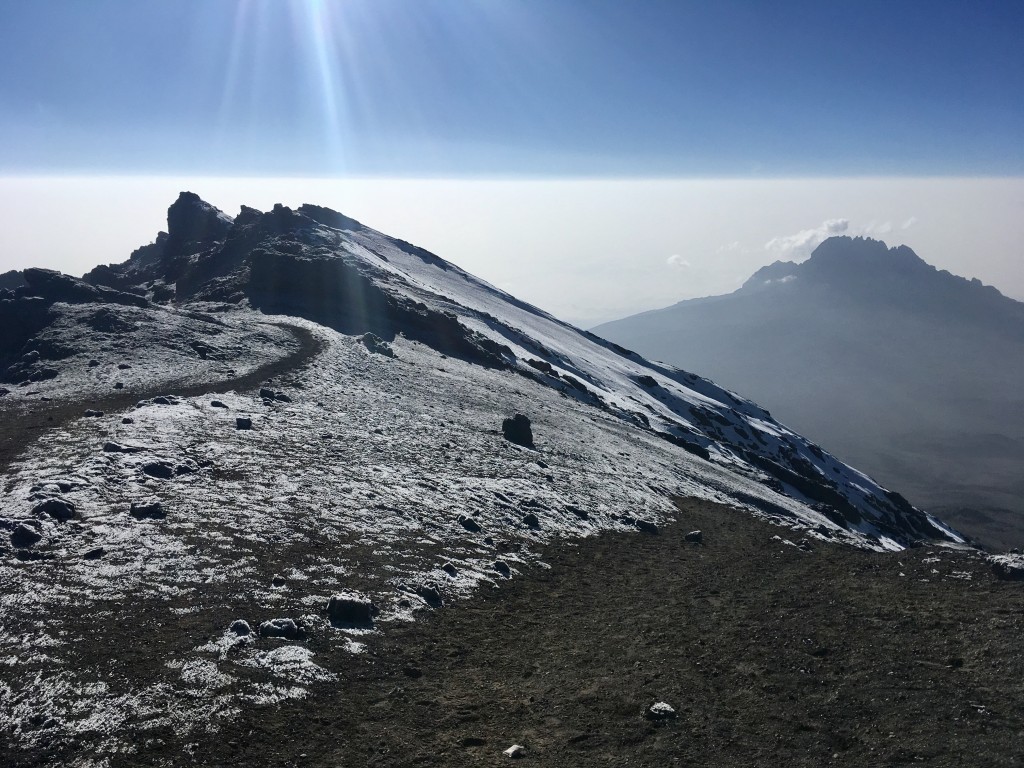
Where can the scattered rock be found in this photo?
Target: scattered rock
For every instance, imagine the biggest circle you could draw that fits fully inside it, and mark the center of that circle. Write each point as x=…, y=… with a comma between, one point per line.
x=217, y=404
x=518, y=430
x=580, y=513
x=530, y=520
x=94, y=363
x=151, y=510
x=243, y=422
x=112, y=447
x=94, y=554
x=90, y=413
x=123, y=366
x=119, y=385
x=286, y=628
x=694, y=537
x=515, y=752
x=266, y=394
x=351, y=608
x=660, y=711
x=240, y=627
x=127, y=420
x=1008, y=567
x=25, y=536
x=165, y=400
x=377, y=345
x=163, y=470
x=646, y=526
x=450, y=569
x=431, y=594
x=469, y=524
x=59, y=509
x=44, y=374
x=502, y=567
x=542, y=464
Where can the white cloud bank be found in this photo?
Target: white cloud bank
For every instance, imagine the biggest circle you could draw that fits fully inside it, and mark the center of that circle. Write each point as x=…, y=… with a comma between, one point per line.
x=800, y=245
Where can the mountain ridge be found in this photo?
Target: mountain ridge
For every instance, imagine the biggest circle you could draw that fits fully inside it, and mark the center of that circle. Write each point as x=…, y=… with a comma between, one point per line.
x=872, y=351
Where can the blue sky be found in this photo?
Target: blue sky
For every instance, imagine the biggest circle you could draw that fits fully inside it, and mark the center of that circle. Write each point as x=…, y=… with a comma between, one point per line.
x=517, y=88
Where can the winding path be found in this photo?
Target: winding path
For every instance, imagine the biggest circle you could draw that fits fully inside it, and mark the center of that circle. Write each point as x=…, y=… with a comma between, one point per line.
x=21, y=425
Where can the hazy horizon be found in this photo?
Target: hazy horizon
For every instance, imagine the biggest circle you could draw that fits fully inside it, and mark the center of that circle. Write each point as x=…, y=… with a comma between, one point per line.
x=586, y=250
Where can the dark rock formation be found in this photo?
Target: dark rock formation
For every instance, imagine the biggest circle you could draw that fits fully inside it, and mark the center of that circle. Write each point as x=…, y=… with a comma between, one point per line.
x=518, y=430
x=147, y=510
x=351, y=608
x=284, y=628
x=25, y=536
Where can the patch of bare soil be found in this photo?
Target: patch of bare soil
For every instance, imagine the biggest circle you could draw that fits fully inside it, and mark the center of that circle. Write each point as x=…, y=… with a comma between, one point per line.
x=769, y=654
x=20, y=425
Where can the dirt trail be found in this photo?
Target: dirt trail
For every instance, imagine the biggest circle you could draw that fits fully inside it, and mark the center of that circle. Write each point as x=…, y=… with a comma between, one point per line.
x=20, y=425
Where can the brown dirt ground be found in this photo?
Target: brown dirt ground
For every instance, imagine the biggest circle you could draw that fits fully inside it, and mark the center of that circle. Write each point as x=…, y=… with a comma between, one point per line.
x=771, y=656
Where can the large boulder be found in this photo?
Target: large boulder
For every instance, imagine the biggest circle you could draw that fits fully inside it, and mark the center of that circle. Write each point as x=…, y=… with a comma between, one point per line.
x=351, y=608
x=518, y=430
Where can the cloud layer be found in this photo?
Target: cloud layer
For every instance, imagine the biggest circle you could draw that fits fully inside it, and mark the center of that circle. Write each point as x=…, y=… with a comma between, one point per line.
x=800, y=245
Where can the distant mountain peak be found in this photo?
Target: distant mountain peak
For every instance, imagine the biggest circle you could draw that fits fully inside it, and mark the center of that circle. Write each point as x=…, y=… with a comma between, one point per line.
x=863, y=255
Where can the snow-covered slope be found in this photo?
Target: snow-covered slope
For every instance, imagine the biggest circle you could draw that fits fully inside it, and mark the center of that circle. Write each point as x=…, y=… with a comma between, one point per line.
x=377, y=468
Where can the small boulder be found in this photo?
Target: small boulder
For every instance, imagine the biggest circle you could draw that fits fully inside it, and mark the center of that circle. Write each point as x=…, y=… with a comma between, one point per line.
x=502, y=567
x=59, y=509
x=240, y=627
x=286, y=628
x=351, y=608
x=646, y=526
x=530, y=520
x=112, y=447
x=93, y=414
x=217, y=404
x=515, y=752
x=266, y=394
x=660, y=711
x=127, y=420
x=25, y=536
x=243, y=422
x=518, y=430
x=377, y=345
x=1008, y=567
x=469, y=524
x=431, y=594
x=694, y=537
x=278, y=581
x=163, y=470
x=94, y=554
x=147, y=510
x=450, y=569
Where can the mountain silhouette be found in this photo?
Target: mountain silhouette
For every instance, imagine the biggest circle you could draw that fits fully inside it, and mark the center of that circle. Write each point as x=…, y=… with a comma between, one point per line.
x=908, y=372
